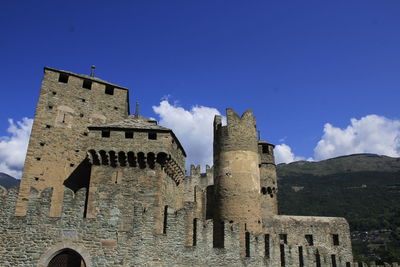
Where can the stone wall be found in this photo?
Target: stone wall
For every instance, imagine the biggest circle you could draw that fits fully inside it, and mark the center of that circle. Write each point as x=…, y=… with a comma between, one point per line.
x=122, y=233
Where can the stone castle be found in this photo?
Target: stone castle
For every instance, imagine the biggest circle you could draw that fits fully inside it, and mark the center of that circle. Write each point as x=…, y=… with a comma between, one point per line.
x=102, y=187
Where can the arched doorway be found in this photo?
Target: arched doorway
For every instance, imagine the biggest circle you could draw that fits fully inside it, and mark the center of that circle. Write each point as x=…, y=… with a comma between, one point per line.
x=67, y=258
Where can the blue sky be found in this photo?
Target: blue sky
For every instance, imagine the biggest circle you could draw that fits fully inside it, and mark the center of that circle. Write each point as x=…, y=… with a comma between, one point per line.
x=297, y=64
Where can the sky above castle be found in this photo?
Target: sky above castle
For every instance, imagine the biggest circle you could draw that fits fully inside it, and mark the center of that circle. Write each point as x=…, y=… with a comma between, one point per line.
x=322, y=77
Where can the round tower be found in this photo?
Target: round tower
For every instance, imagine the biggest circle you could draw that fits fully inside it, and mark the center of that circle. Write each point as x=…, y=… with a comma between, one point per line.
x=236, y=171
x=268, y=179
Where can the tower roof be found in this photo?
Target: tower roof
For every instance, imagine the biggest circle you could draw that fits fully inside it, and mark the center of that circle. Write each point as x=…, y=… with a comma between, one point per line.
x=133, y=123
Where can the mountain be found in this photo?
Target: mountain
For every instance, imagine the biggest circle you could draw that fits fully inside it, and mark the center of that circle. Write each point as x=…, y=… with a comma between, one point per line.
x=363, y=188
x=8, y=181
x=344, y=164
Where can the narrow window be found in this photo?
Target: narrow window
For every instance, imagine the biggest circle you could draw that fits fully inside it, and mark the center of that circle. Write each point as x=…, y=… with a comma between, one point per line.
x=165, y=220
x=283, y=238
x=333, y=258
x=87, y=84
x=105, y=133
x=265, y=149
x=310, y=240
x=129, y=135
x=194, y=232
x=266, y=246
x=282, y=249
x=48, y=126
x=63, y=78
x=335, y=239
x=247, y=243
x=109, y=90
x=301, y=259
x=153, y=136
x=318, y=259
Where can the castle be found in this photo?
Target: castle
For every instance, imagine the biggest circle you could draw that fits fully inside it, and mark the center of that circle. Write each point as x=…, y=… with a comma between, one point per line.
x=102, y=187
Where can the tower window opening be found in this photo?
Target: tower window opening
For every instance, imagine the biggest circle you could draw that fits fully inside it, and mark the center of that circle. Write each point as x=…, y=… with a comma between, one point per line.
x=38, y=159
x=283, y=238
x=42, y=143
x=282, y=250
x=247, y=243
x=165, y=222
x=263, y=190
x=109, y=90
x=194, y=232
x=152, y=136
x=310, y=240
x=335, y=239
x=266, y=246
x=348, y=264
x=301, y=259
x=318, y=259
x=333, y=258
x=48, y=126
x=265, y=149
x=87, y=84
x=129, y=135
x=63, y=78
x=105, y=134
x=81, y=115
x=50, y=107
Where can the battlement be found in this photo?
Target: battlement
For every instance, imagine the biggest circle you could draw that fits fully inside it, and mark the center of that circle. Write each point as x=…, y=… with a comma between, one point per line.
x=124, y=223
x=238, y=134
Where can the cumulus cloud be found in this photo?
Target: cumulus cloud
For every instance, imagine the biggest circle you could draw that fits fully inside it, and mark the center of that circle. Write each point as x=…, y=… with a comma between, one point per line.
x=370, y=134
x=283, y=154
x=13, y=147
x=194, y=129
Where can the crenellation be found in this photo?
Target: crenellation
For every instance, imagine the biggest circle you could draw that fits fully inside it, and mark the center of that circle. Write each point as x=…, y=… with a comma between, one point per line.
x=111, y=189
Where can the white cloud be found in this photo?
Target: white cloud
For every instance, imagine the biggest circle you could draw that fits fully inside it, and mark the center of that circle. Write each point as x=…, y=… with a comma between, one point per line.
x=13, y=147
x=370, y=134
x=283, y=154
x=194, y=129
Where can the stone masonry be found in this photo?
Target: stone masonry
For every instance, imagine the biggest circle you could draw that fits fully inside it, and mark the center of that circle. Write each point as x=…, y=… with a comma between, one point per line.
x=102, y=187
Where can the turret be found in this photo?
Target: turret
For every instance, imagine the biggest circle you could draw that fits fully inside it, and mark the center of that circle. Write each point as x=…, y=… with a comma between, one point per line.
x=236, y=171
x=268, y=179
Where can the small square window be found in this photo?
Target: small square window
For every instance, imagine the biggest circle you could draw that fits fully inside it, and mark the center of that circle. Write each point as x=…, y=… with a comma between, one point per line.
x=335, y=239
x=129, y=135
x=63, y=78
x=87, y=84
x=105, y=134
x=109, y=90
x=265, y=149
x=153, y=136
x=310, y=240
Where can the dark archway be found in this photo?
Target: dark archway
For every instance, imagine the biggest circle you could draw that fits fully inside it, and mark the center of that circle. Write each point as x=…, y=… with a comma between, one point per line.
x=67, y=258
